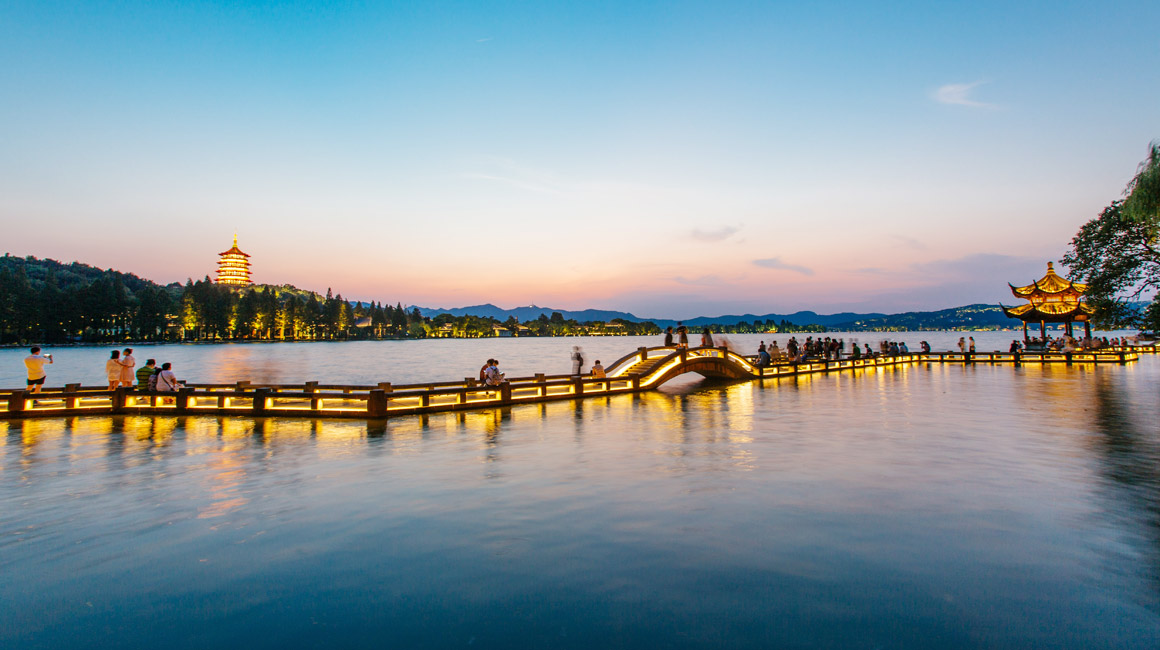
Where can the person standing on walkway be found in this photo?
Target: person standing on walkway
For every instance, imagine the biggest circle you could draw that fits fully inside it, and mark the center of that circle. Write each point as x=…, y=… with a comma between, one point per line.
x=972, y=346
x=577, y=361
x=34, y=362
x=706, y=338
x=962, y=345
x=144, y=373
x=682, y=335
x=127, y=365
x=113, y=369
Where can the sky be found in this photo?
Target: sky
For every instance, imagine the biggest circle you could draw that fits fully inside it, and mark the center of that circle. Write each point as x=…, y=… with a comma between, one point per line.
x=672, y=159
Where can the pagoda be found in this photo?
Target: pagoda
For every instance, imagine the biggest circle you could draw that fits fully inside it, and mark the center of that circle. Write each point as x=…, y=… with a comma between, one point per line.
x=1051, y=299
x=234, y=267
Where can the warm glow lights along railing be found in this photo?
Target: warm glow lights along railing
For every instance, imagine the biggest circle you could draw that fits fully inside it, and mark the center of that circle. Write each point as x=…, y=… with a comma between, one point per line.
x=644, y=369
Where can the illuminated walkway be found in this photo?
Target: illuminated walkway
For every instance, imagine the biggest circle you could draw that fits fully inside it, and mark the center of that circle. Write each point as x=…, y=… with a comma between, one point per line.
x=645, y=369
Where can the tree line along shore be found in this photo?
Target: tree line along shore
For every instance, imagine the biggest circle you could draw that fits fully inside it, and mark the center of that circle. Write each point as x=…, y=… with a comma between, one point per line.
x=46, y=301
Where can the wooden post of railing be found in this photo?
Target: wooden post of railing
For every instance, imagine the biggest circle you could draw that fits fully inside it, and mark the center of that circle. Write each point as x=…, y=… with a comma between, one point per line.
x=1123, y=358
x=684, y=354
x=505, y=392
x=385, y=386
x=643, y=352
x=578, y=385
x=181, y=401
x=1067, y=358
x=244, y=384
x=16, y=402
x=118, y=399
x=261, y=400
x=72, y=402
x=1018, y=358
x=635, y=380
x=377, y=403
x=312, y=387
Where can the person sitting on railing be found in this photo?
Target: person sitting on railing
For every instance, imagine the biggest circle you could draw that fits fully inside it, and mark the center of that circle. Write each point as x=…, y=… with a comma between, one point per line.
x=763, y=358
x=682, y=335
x=669, y=336
x=775, y=353
x=902, y=349
x=483, y=370
x=144, y=373
x=166, y=380
x=857, y=352
x=598, y=370
x=925, y=347
x=706, y=338
x=494, y=376
x=1014, y=349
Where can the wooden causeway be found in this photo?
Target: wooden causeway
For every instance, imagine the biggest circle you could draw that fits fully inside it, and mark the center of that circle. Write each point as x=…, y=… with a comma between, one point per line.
x=643, y=370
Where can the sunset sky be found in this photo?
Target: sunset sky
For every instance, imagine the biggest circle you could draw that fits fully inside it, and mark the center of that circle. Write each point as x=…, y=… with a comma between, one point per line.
x=672, y=159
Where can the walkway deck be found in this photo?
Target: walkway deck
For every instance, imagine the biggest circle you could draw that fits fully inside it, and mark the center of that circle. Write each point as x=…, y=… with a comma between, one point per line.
x=643, y=370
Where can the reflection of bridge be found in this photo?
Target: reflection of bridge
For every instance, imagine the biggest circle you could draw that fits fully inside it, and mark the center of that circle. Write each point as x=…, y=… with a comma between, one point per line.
x=645, y=369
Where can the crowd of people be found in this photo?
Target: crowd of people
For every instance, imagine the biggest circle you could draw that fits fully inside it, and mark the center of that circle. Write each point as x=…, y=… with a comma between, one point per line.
x=1067, y=343
x=119, y=371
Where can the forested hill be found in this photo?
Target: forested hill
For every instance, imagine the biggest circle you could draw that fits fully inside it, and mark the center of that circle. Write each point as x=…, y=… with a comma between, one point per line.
x=70, y=276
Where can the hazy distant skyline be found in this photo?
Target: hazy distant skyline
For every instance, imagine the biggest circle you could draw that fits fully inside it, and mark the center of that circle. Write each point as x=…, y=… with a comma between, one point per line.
x=668, y=159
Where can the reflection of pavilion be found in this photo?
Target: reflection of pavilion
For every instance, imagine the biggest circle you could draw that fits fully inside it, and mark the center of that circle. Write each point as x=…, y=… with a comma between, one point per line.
x=1052, y=299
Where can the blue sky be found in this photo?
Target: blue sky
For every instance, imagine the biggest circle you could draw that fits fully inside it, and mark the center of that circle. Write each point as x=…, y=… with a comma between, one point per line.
x=669, y=159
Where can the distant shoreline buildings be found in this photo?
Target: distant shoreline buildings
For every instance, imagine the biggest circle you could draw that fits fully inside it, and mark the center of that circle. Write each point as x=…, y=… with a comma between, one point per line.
x=234, y=267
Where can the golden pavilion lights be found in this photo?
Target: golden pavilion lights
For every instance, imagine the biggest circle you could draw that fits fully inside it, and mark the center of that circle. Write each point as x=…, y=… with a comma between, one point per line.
x=1051, y=299
x=234, y=266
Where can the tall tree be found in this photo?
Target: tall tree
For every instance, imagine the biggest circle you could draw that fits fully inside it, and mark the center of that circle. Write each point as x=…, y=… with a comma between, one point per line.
x=1117, y=254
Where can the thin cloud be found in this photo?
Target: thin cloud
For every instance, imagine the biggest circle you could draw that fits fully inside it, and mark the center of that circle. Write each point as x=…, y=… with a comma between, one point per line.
x=483, y=40
x=720, y=234
x=776, y=263
x=960, y=95
x=702, y=281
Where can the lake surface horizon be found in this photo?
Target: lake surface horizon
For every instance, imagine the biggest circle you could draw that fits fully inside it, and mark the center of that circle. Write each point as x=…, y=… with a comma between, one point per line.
x=910, y=507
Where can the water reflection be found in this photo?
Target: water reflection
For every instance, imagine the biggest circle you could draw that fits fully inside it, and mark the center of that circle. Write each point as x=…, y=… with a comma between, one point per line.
x=1131, y=461
x=815, y=510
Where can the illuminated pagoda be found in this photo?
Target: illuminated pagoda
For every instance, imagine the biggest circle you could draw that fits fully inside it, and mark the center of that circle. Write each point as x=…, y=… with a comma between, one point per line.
x=234, y=267
x=1051, y=299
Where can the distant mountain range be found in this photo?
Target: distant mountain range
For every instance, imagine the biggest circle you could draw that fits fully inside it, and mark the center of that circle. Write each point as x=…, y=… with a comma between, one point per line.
x=955, y=317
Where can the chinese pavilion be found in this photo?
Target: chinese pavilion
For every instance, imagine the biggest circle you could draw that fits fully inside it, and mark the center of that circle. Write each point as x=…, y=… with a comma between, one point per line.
x=234, y=266
x=1051, y=299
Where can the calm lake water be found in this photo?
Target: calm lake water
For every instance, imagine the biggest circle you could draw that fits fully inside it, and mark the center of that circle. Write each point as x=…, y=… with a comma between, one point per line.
x=916, y=507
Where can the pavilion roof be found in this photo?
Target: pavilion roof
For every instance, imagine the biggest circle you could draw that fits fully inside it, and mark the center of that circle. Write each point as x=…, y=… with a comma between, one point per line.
x=1051, y=312
x=1049, y=284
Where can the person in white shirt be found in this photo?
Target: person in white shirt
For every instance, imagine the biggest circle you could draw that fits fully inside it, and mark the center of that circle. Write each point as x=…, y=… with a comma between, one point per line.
x=127, y=365
x=166, y=381
x=113, y=369
x=35, y=365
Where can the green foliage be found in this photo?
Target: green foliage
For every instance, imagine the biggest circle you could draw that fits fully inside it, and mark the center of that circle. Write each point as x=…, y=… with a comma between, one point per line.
x=1143, y=202
x=1117, y=253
